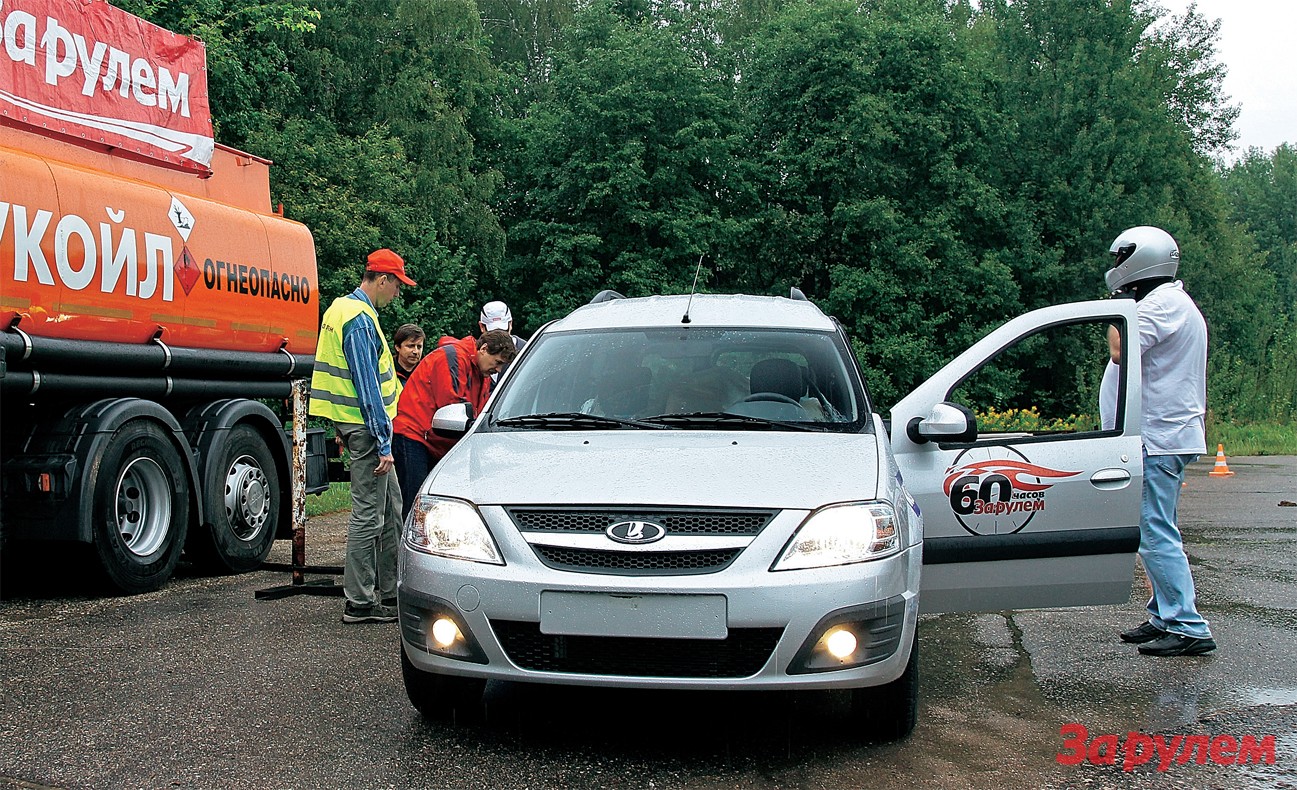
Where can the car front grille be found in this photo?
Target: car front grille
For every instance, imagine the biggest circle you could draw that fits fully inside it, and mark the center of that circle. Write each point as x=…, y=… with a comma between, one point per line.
x=742, y=654
x=676, y=521
x=636, y=563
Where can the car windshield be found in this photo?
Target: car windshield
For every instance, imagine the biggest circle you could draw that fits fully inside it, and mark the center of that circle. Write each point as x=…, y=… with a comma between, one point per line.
x=682, y=378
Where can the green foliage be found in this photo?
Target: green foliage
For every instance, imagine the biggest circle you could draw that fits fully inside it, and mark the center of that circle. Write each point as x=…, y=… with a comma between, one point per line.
x=1262, y=191
x=870, y=178
x=1030, y=420
x=615, y=181
x=1254, y=366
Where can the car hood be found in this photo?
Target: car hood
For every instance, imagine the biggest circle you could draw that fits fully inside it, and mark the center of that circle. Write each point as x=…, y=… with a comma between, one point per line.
x=671, y=467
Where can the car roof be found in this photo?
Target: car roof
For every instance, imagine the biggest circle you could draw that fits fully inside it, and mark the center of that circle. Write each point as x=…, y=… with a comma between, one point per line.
x=707, y=310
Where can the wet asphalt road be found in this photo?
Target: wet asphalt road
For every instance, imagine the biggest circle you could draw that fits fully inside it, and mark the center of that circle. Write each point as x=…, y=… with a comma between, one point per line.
x=201, y=686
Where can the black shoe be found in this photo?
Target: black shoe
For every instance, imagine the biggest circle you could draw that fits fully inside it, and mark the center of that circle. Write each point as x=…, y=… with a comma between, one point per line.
x=1146, y=632
x=1178, y=645
x=374, y=613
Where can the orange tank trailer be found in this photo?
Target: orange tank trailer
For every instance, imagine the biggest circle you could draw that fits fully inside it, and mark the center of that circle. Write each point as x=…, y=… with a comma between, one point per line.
x=99, y=247
x=151, y=325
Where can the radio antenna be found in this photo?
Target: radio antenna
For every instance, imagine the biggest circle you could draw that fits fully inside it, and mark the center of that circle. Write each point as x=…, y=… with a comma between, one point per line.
x=692, y=289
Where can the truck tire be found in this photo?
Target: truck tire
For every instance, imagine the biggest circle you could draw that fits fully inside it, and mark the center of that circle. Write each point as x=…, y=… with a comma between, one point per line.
x=244, y=508
x=140, y=509
x=440, y=697
x=889, y=712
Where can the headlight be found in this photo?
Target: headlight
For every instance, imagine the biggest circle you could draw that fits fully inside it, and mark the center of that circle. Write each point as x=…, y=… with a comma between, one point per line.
x=841, y=535
x=450, y=528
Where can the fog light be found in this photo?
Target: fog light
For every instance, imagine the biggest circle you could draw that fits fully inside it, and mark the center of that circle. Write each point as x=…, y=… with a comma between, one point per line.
x=444, y=632
x=840, y=643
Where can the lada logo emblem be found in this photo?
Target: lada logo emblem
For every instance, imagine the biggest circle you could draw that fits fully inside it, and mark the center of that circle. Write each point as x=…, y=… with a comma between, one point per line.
x=636, y=532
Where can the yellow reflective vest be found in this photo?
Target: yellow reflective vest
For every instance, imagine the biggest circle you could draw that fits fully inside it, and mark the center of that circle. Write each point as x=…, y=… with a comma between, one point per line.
x=333, y=393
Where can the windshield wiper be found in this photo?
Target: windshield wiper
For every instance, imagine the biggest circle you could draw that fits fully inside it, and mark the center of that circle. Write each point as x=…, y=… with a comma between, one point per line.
x=724, y=419
x=573, y=419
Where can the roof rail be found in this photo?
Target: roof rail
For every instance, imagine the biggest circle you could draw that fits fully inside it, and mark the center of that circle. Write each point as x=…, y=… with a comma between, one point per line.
x=606, y=296
x=796, y=293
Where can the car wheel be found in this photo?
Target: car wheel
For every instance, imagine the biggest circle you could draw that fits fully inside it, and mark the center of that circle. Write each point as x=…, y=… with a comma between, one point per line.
x=141, y=508
x=889, y=712
x=244, y=506
x=440, y=697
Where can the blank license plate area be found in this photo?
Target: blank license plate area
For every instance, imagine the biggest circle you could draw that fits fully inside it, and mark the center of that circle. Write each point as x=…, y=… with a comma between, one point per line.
x=662, y=616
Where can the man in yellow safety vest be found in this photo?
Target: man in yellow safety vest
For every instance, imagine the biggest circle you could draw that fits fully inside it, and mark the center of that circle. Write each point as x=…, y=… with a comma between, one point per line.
x=354, y=384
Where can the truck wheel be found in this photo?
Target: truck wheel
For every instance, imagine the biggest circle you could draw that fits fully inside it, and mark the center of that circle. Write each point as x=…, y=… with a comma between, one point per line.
x=141, y=508
x=889, y=712
x=244, y=509
x=439, y=697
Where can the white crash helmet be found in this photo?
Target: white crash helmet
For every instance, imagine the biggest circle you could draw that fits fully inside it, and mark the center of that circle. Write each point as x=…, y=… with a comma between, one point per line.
x=1140, y=254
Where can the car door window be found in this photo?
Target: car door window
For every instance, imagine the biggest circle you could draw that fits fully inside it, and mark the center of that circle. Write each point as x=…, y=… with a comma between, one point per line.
x=1047, y=385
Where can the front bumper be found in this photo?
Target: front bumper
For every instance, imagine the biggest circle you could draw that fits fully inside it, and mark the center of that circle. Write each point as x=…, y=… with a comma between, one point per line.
x=769, y=623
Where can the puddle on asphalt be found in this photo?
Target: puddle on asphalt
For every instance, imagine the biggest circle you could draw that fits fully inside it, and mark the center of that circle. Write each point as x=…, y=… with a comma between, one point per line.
x=1273, y=696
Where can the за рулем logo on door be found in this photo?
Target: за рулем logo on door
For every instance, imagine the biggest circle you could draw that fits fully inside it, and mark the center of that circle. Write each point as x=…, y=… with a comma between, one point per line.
x=998, y=496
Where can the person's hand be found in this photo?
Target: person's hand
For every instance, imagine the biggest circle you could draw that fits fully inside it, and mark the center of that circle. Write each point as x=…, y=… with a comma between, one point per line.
x=385, y=464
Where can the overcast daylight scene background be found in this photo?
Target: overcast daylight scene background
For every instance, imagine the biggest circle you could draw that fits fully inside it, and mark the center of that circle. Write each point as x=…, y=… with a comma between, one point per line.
x=1256, y=46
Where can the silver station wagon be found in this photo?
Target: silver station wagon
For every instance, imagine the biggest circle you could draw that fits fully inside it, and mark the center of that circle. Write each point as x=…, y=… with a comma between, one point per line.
x=698, y=493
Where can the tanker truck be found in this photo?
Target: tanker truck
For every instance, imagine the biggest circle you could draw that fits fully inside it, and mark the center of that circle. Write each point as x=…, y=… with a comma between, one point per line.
x=154, y=310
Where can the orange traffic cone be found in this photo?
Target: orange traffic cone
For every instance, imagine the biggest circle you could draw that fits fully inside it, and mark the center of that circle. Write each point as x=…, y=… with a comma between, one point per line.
x=1221, y=469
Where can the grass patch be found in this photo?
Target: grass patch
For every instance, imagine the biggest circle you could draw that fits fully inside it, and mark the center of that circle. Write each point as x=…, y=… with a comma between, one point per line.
x=1252, y=438
x=338, y=497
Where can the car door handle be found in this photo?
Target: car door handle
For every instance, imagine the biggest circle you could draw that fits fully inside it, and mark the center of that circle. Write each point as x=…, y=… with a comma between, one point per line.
x=1109, y=479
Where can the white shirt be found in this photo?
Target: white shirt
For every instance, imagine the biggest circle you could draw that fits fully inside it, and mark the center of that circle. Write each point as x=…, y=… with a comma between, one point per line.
x=1173, y=362
x=1108, y=396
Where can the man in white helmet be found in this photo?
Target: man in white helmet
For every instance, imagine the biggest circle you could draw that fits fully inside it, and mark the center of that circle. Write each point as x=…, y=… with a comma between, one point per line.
x=496, y=315
x=1173, y=368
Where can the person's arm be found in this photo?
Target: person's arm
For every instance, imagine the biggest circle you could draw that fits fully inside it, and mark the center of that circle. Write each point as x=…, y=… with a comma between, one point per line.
x=1114, y=344
x=446, y=380
x=361, y=346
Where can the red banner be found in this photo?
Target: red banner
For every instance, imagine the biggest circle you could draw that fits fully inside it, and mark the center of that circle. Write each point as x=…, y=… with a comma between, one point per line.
x=87, y=70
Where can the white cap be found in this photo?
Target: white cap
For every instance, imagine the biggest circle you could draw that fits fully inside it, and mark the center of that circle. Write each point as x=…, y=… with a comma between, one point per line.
x=495, y=315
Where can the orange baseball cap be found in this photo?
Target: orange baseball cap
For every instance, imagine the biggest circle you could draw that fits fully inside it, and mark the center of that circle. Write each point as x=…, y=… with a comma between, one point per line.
x=385, y=261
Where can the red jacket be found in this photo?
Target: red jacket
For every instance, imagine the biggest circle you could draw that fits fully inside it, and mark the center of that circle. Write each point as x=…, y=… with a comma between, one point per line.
x=448, y=374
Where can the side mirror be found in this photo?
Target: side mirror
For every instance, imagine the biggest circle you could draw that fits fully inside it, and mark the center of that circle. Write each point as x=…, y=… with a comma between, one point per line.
x=452, y=421
x=947, y=422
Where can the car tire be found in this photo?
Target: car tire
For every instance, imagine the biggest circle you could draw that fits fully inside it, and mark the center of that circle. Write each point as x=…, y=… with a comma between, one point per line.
x=141, y=508
x=889, y=712
x=244, y=506
x=440, y=697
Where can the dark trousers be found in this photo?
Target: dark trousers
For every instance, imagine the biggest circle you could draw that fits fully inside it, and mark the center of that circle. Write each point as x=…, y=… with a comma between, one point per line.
x=413, y=463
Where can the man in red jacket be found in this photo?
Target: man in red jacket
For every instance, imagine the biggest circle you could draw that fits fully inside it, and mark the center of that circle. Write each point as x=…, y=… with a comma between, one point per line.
x=457, y=371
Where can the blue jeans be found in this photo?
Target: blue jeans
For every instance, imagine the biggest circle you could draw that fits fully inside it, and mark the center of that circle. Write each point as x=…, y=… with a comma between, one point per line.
x=1173, y=606
x=413, y=463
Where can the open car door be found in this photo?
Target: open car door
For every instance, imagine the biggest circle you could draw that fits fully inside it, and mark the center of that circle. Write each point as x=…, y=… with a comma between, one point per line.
x=1039, y=507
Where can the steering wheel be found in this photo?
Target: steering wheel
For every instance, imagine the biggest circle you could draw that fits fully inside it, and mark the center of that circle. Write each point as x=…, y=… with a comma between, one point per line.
x=770, y=397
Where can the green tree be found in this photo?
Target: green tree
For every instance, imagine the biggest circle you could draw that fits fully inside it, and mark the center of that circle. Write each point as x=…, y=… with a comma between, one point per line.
x=868, y=124
x=619, y=181
x=1114, y=118
x=421, y=69
x=1262, y=384
x=1262, y=190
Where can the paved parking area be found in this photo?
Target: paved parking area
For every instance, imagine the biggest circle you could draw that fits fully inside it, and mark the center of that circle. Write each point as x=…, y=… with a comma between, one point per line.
x=200, y=685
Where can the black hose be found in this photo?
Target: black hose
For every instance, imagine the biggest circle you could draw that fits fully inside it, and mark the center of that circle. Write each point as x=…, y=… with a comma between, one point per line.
x=25, y=383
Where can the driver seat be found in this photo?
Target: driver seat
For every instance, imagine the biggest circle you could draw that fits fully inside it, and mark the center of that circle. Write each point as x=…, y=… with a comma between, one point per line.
x=780, y=376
